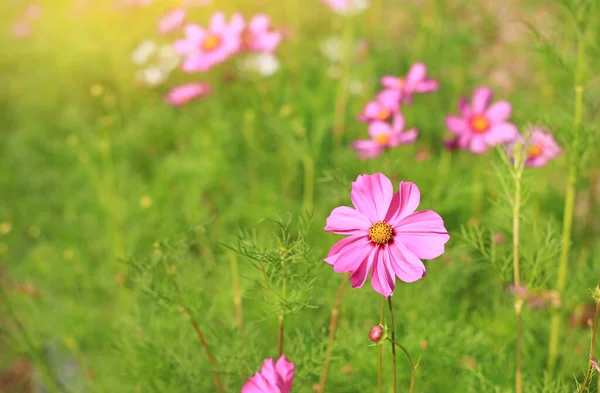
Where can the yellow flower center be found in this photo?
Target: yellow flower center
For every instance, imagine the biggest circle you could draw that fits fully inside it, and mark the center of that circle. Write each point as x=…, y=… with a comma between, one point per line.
x=381, y=233
x=382, y=139
x=401, y=83
x=248, y=38
x=480, y=123
x=383, y=114
x=211, y=42
x=534, y=151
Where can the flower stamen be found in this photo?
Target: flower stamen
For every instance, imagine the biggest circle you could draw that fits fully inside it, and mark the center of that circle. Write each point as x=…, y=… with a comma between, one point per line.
x=382, y=139
x=480, y=123
x=534, y=151
x=381, y=233
x=384, y=114
x=211, y=42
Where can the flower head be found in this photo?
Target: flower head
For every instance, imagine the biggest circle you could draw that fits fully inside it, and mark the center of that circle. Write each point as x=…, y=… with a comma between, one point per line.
x=205, y=48
x=386, y=237
x=172, y=20
x=183, y=94
x=383, y=136
x=156, y=62
x=264, y=64
x=415, y=81
x=347, y=7
x=378, y=334
x=539, y=147
x=482, y=125
x=258, y=36
x=382, y=108
x=272, y=378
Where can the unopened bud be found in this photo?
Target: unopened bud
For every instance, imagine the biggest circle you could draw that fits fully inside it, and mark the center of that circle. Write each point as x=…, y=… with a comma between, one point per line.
x=378, y=334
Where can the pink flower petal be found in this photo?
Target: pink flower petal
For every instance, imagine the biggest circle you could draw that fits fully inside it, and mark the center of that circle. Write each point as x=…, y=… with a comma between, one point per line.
x=398, y=122
x=426, y=86
x=383, y=278
x=260, y=23
x=371, y=195
x=337, y=247
x=423, y=233
x=172, y=20
x=456, y=125
x=463, y=107
x=366, y=148
x=377, y=128
x=359, y=275
x=477, y=144
x=405, y=264
x=344, y=220
x=404, y=203
x=416, y=74
x=390, y=82
x=351, y=255
x=481, y=99
x=501, y=133
x=218, y=22
x=403, y=137
x=499, y=112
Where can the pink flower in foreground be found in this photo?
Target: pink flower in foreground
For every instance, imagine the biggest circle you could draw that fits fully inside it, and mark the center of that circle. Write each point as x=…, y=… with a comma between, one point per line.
x=415, y=81
x=183, y=94
x=540, y=148
x=172, y=20
x=258, y=36
x=204, y=48
x=21, y=29
x=482, y=125
x=272, y=378
x=382, y=108
x=385, y=234
x=384, y=136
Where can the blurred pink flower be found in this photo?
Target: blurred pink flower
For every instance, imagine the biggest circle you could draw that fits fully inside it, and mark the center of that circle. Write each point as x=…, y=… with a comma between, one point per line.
x=539, y=148
x=347, y=7
x=482, y=125
x=258, y=36
x=272, y=378
x=172, y=20
x=415, y=81
x=21, y=29
x=384, y=136
x=382, y=108
x=204, y=48
x=385, y=234
x=181, y=95
x=33, y=11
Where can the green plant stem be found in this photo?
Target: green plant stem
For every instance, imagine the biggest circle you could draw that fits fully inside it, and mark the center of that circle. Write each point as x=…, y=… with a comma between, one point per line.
x=309, y=183
x=569, y=206
x=237, y=294
x=393, y=331
x=380, y=360
x=516, y=271
x=281, y=317
x=248, y=131
x=335, y=312
x=592, y=350
x=413, y=369
x=342, y=92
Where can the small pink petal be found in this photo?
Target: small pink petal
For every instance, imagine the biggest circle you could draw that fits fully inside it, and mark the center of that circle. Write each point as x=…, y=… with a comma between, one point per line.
x=172, y=20
x=416, y=74
x=371, y=195
x=477, y=145
x=423, y=233
x=366, y=148
x=481, y=99
x=359, y=276
x=456, y=125
x=344, y=220
x=405, y=264
x=501, y=133
x=377, y=128
x=463, y=107
x=183, y=94
x=499, y=112
x=383, y=278
x=404, y=203
x=426, y=86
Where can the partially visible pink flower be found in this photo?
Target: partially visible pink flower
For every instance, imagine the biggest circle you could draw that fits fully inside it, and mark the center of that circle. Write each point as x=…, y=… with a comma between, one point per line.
x=21, y=29
x=34, y=11
x=272, y=378
x=540, y=148
x=384, y=136
x=258, y=36
x=183, y=94
x=482, y=125
x=385, y=235
x=422, y=155
x=204, y=48
x=347, y=7
x=415, y=81
x=382, y=108
x=172, y=20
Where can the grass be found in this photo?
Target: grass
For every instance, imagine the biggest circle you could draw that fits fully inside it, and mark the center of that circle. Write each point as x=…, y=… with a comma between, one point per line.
x=109, y=196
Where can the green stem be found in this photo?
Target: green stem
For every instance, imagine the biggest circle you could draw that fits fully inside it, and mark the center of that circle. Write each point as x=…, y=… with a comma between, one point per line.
x=309, y=183
x=393, y=331
x=342, y=92
x=248, y=131
x=516, y=270
x=380, y=361
x=592, y=349
x=281, y=315
x=413, y=369
x=569, y=205
x=237, y=294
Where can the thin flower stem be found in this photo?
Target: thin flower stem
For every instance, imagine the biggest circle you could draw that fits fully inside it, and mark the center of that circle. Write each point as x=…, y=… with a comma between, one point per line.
x=592, y=350
x=309, y=183
x=413, y=369
x=569, y=205
x=248, y=132
x=335, y=312
x=516, y=270
x=393, y=331
x=237, y=294
x=281, y=313
x=200, y=335
x=380, y=361
x=342, y=92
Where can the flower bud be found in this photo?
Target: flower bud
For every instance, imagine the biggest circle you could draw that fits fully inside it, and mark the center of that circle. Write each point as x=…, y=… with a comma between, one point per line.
x=378, y=334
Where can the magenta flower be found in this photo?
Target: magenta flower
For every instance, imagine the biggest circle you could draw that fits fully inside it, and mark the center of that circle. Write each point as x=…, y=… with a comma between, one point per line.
x=385, y=234
x=272, y=378
x=382, y=108
x=172, y=20
x=204, y=48
x=183, y=94
x=540, y=148
x=482, y=125
x=415, y=81
x=258, y=36
x=384, y=136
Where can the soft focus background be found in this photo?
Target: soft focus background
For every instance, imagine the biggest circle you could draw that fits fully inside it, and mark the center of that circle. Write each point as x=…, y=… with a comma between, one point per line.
x=108, y=195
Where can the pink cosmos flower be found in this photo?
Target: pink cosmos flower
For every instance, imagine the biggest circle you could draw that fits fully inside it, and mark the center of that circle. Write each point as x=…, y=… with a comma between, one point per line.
x=183, y=94
x=258, y=36
x=385, y=234
x=415, y=81
x=172, y=20
x=540, y=148
x=384, y=136
x=34, y=11
x=382, y=108
x=21, y=29
x=204, y=48
x=482, y=125
x=272, y=378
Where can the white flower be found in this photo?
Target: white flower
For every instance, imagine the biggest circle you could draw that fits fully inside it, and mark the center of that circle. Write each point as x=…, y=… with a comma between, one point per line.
x=355, y=87
x=264, y=64
x=142, y=53
x=332, y=49
x=156, y=62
